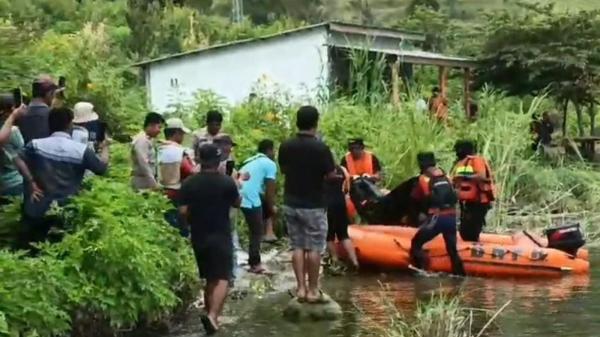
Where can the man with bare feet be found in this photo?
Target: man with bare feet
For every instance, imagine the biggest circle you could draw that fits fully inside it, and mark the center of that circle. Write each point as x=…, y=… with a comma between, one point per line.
x=306, y=163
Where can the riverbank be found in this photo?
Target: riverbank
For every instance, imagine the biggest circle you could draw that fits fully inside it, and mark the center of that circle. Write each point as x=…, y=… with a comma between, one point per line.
x=376, y=304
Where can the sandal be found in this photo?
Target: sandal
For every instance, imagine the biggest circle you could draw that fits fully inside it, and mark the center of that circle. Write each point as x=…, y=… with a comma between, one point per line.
x=319, y=300
x=270, y=240
x=259, y=271
x=294, y=294
x=208, y=325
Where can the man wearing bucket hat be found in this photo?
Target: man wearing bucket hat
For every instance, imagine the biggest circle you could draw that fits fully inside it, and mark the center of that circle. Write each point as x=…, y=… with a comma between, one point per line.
x=174, y=166
x=173, y=162
x=88, y=122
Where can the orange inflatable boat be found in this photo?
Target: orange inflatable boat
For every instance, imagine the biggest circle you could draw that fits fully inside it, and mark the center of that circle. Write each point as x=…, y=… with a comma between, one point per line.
x=494, y=256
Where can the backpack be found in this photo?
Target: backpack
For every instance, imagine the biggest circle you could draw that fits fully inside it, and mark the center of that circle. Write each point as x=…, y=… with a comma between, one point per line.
x=442, y=193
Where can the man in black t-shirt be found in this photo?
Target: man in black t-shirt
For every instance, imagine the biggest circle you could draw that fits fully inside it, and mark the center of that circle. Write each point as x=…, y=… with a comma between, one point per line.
x=306, y=162
x=206, y=199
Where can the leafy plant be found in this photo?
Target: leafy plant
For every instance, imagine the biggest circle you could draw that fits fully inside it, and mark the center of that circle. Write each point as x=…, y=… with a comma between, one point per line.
x=119, y=266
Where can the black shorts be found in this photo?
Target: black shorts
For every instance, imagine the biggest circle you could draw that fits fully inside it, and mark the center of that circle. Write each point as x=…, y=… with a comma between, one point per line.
x=214, y=256
x=338, y=221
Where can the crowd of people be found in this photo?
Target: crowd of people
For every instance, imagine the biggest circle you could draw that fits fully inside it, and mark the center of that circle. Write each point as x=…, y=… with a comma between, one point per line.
x=48, y=149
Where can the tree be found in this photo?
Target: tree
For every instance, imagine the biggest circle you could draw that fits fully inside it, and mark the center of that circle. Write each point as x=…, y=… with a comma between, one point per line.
x=430, y=4
x=539, y=49
x=364, y=12
x=143, y=18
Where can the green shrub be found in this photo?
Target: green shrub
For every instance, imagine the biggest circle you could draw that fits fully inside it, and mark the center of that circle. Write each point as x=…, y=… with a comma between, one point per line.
x=119, y=266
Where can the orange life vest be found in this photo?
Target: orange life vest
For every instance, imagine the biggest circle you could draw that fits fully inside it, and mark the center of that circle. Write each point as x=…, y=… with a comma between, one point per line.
x=362, y=166
x=466, y=176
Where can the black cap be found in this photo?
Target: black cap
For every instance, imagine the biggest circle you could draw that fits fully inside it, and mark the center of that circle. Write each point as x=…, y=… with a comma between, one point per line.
x=210, y=153
x=356, y=141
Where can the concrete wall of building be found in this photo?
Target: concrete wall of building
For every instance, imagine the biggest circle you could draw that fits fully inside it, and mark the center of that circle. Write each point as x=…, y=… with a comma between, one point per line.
x=296, y=63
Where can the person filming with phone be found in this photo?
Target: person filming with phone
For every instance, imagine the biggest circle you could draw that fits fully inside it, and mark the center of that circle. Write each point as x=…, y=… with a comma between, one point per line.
x=13, y=171
x=34, y=122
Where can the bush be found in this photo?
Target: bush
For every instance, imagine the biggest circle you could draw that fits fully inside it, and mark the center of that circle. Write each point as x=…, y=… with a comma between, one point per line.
x=119, y=266
x=397, y=133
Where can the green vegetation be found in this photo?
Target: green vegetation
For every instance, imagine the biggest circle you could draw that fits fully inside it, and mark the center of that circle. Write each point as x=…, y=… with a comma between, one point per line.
x=440, y=316
x=120, y=266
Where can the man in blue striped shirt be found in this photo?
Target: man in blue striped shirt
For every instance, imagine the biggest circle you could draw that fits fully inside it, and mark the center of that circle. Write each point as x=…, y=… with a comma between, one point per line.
x=58, y=164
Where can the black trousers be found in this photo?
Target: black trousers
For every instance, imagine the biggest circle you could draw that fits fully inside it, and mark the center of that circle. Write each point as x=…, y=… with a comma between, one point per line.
x=254, y=219
x=472, y=220
x=435, y=225
x=35, y=230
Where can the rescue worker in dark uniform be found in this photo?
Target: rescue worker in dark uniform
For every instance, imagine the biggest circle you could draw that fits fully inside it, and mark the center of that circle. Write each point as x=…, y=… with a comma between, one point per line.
x=474, y=184
x=434, y=191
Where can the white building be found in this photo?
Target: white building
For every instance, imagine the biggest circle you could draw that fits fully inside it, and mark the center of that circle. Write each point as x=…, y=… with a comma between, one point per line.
x=303, y=62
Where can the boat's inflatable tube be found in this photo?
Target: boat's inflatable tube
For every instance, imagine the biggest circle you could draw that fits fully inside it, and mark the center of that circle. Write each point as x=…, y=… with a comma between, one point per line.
x=495, y=255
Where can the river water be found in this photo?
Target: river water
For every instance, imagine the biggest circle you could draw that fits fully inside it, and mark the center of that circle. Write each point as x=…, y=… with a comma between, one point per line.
x=559, y=307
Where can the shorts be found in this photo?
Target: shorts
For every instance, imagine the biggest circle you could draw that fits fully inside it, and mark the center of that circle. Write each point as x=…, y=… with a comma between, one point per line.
x=214, y=256
x=307, y=227
x=338, y=221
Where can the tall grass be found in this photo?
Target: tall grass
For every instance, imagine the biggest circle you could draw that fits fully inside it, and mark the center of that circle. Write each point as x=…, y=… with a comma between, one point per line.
x=537, y=192
x=441, y=316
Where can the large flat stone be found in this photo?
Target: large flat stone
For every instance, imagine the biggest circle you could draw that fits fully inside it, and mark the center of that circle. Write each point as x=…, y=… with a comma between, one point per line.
x=298, y=311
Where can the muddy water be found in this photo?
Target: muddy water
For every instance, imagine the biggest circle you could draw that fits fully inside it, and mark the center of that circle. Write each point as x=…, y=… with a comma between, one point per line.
x=562, y=307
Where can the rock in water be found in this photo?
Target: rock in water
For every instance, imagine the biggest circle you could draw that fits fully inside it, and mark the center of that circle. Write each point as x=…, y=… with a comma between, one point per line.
x=297, y=311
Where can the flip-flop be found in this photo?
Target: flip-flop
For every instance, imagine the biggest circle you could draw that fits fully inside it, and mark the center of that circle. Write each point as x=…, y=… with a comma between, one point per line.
x=319, y=300
x=295, y=295
x=270, y=241
x=260, y=271
x=209, y=326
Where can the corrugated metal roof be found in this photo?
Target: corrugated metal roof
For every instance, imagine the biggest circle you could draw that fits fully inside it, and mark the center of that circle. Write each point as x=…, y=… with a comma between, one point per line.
x=424, y=57
x=331, y=25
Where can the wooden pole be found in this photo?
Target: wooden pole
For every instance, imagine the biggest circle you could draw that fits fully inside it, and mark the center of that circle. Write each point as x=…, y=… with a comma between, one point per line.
x=467, y=94
x=443, y=81
x=395, y=82
x=564, y=122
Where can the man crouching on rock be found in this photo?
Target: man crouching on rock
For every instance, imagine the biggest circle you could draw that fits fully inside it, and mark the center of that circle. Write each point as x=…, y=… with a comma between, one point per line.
x=206, y=199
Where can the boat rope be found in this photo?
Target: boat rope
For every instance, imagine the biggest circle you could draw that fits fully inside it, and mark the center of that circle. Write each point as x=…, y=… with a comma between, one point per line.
x=399, y=244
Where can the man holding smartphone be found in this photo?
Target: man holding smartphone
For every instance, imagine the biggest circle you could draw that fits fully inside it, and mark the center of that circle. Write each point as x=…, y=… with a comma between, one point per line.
x=34, y=123
x=88, y=119
x=13, y=171
x=227, y=166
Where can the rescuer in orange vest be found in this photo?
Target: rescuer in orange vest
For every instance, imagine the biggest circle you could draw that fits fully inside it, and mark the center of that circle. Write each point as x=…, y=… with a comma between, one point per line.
x=434, y=191
x=360, y=162
x=474, y=183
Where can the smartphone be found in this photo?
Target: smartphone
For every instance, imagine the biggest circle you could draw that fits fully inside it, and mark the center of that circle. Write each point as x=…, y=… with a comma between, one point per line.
x=101, y=136
x=62, y=82
x=229, y=165
x=18, y=97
